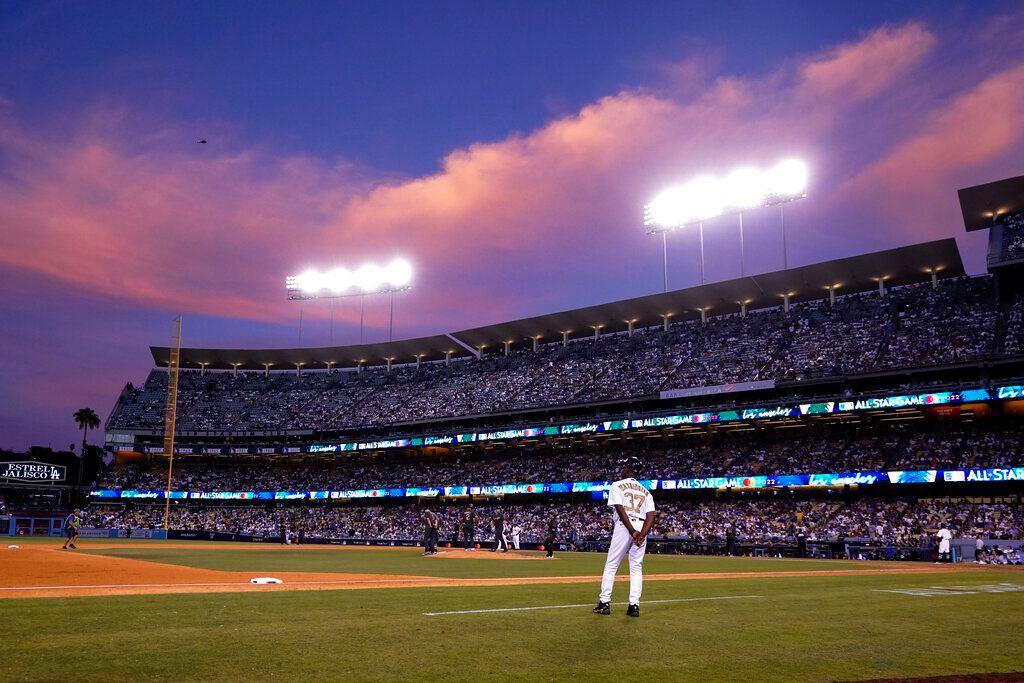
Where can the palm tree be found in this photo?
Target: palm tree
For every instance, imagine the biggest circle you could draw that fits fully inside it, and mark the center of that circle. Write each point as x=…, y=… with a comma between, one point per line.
x=87, y=419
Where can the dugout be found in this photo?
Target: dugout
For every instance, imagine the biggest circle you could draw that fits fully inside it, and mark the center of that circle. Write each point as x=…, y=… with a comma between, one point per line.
x=32, y=524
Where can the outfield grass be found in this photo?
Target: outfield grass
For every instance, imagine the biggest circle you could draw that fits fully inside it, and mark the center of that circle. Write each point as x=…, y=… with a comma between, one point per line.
x=806, y=628
x=410, y=561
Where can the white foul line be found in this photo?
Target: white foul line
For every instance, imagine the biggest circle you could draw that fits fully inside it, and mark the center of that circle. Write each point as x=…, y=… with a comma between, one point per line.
x=588, y=604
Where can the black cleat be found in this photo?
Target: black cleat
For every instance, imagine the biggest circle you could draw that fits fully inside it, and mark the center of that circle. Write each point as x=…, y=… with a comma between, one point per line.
x=603, y=608
x=633, y=611
x=73, y=546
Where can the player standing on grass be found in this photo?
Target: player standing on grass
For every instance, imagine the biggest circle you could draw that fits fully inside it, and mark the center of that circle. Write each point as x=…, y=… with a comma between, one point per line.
x=634, y=516
x=72, y=523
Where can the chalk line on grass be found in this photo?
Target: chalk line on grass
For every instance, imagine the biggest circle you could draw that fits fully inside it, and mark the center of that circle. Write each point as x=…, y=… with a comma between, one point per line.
x=969, y=589
x=588, y=604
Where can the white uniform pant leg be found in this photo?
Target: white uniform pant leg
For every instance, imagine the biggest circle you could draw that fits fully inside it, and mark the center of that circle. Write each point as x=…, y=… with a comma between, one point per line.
x=621, y=542
x=636, y=571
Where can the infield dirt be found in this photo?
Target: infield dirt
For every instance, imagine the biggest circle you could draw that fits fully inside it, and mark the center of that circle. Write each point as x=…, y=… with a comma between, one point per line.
x=36, y=571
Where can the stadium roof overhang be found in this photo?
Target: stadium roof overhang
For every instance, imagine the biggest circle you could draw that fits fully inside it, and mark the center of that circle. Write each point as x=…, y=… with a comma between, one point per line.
x=982, y=204
x=904, y=265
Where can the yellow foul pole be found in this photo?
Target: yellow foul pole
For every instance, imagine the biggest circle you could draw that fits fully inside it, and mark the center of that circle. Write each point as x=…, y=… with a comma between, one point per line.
x=171, y=412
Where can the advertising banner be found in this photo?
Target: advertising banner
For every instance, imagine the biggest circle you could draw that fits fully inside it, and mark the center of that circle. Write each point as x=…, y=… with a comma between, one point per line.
x=23, y=471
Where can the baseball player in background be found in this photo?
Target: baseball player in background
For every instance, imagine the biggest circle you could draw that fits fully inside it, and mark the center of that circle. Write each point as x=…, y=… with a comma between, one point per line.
x=456, y=523
x=944, y=537
x=498, y=524
x=433, y=524
x=469, y=530
x=517, y=530
x=633, y=515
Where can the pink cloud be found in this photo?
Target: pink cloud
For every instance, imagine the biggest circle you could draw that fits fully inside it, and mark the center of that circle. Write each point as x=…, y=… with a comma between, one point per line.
x=863, y=69
x=914, y=183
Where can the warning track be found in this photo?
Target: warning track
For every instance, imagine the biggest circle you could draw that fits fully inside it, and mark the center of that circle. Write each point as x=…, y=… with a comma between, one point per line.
x=40, y=572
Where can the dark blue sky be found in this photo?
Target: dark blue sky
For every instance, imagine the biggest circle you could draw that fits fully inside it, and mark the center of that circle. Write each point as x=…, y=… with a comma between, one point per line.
x=396, y=85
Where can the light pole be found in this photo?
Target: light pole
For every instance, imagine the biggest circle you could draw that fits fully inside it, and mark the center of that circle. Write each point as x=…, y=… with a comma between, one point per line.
x=362, y=314
x=743, y=252
x=664, y=253
x=782, y=220
x=701, y=230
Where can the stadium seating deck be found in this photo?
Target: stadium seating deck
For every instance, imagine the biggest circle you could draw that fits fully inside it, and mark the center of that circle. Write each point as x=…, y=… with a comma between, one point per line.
x=912, y=326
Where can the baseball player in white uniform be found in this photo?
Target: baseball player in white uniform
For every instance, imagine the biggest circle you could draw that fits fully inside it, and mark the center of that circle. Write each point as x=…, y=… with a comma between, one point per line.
x=633, y=515
x=944, y=537
x=517, y=530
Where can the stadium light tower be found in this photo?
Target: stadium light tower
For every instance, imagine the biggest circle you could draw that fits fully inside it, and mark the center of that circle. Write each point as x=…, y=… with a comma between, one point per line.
x=707, y=197
x=362, y=282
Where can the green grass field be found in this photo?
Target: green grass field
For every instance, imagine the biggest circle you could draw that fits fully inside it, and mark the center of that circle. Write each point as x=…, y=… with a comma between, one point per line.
x=803, y=628
x=238, y=557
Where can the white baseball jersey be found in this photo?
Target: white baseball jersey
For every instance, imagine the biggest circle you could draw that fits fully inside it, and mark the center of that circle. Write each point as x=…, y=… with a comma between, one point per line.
x=944, y=538
x=635, y=499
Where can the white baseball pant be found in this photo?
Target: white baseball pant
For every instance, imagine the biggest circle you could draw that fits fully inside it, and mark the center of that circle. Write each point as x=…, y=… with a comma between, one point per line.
x=622, y=545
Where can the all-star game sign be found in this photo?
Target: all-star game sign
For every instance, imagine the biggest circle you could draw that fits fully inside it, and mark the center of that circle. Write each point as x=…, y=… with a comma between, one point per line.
x=31, y=472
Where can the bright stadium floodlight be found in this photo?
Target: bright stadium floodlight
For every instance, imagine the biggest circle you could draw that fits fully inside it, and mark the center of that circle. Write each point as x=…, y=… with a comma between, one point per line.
x=707, y=197
x=787, y=179
x=746, y=186
x=341, y=282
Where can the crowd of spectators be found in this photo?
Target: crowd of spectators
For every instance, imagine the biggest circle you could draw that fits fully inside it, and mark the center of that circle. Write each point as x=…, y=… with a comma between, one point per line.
x=895, y=522
x=959, y=448
x=872, y=447
x=1013, y=236
x=1015, y=328
x=911, y=326
x=903, y=523
x=995, y=554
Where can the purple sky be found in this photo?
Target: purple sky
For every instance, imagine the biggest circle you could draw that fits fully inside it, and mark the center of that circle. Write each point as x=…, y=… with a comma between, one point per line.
x=506, y=152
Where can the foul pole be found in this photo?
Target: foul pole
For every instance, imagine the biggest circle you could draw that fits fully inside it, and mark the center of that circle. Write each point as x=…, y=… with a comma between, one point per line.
x=171, y=412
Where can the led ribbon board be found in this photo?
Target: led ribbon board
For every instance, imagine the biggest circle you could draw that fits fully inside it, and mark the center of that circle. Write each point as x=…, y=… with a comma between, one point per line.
x=755, y=413
x=742, y=482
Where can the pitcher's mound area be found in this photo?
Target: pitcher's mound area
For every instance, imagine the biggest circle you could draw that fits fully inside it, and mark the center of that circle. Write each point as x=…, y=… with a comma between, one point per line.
x=460, y=554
